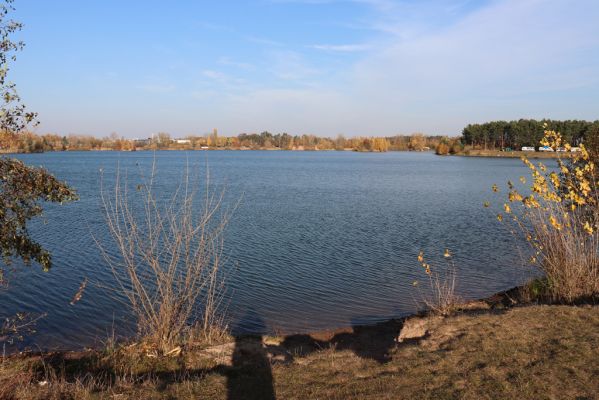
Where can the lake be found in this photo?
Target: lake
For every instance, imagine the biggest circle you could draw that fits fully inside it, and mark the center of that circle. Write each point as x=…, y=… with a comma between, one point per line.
x=319, y=240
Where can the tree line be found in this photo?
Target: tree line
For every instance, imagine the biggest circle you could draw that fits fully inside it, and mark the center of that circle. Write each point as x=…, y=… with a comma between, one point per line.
x=28, y=142
x=525, y=132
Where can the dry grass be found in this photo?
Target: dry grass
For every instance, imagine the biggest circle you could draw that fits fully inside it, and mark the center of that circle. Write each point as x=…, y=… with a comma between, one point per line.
x=168, y=259
x=568, y=256
x=536, y=352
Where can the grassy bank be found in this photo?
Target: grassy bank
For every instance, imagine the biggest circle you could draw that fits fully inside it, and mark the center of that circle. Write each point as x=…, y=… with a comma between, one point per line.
x=523, y=352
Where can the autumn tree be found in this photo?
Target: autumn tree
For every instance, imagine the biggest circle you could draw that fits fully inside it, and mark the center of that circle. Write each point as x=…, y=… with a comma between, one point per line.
x=417, y=142
x=380, y=144
x=22, y=188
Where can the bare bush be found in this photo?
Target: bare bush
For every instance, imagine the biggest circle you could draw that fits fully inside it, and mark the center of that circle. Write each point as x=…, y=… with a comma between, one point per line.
x=169, y=258
x=441, y=297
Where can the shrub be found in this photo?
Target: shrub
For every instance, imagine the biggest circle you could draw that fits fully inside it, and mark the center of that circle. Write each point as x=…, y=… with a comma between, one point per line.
x=22, y=189
x=168, y=259
x=442, y=149
x=559, y=219
x=441, y=297
x=456, y=147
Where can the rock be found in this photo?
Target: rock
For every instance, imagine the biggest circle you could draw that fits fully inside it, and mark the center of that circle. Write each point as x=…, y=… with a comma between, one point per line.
x=417, y=328
x=413, y=328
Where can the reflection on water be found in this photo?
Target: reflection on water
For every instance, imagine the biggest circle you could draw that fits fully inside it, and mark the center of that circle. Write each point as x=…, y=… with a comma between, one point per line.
x=320, y=239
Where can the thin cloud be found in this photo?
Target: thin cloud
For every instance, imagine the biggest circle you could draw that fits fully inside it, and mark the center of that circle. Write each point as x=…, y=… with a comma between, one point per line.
x=215, y=75
x=341, y=48
x=292, y=66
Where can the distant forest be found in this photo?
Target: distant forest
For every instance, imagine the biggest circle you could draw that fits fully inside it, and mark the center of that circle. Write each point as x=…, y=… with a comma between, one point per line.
x=33, y=143
x=525, y=132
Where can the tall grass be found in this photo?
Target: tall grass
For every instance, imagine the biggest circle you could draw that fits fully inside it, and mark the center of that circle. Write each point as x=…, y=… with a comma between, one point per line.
x=168, y=257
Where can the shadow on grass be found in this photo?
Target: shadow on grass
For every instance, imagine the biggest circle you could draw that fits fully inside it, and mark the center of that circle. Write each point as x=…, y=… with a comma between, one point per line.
x=249, y=372
x=248, y=376
x=369, y=342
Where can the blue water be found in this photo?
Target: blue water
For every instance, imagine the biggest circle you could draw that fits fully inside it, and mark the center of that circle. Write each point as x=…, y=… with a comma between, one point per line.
x=319, y=239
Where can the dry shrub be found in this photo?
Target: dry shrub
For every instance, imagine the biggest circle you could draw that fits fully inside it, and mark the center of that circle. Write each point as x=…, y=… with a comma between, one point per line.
x=568, y=256
x=441, y=297
x=559, y=219
x=169, y=257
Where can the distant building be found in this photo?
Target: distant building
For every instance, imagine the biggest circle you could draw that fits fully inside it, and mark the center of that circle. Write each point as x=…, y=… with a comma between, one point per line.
x=528, y=148
x=575, y=149
x=142, y=142
x=182, y=141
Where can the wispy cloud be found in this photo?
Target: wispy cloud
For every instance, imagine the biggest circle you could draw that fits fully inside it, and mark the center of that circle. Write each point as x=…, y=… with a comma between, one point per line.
x=351, y=66
x=215, y=75
x=438, y=78
x=292, y=66
x=341, y=48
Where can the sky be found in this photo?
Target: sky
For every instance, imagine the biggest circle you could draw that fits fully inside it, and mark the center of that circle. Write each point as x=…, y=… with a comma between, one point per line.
x=323, y=67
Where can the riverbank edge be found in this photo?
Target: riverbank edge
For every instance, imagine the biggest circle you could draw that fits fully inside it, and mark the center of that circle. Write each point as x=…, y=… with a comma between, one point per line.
x=512, y=154
x=496, y=347
x=503, y=299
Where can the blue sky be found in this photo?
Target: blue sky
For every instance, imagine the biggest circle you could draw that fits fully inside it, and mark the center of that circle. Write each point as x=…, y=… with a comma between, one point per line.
x=326, y=67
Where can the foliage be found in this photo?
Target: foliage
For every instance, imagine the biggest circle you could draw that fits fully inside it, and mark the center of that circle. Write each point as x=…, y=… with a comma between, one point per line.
x=15, y=328
x=13, y=115
x=442, y=149
x=560, y=221
x=21, y=189
x=417, y=142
